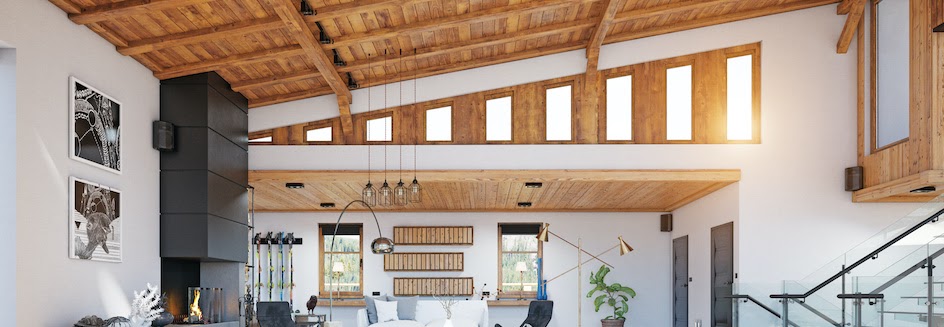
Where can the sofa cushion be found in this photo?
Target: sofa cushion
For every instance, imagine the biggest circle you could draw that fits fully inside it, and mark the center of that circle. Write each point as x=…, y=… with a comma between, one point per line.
x=386, y=311
x=406, y=307
x=398, y=323
x=452, y=323
x=371, y=308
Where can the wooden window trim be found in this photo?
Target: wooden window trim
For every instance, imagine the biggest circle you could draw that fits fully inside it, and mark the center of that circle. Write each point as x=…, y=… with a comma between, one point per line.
x=437, y=104
x=394, y=122
x=572, y=82
x=259, y=135
x=601, y=111
x=335, y=131
x=515, y=295
x=493, y=96
x=321, y=258
x=677, y=63
x=755, y=51
x=873, y=71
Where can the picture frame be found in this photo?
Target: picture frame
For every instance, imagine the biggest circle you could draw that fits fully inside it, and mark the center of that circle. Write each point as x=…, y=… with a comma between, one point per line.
x=95, y=224
x=94, y=127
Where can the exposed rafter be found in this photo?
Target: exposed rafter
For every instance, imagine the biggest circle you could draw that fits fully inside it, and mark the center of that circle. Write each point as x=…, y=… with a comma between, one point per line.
x=351, y=8
x=126, y=8
x=287, y=10
x=844, y=7
x=599, y=32
x=241, y=59
x=347, y=124
x=670, y=8
x=67, y=5
x=201, y=35
x=852, y=24
x=316, y=92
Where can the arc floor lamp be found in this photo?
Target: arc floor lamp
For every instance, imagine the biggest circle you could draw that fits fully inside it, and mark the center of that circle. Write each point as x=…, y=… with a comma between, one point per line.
x=380, y=245
x=544, y=236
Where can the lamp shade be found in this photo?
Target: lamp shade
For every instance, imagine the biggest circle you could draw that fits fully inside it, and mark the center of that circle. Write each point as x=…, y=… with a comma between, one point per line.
x=542, y=235
x=624, y=247
x=382, y=245
x=338, y=267
x=521, y=267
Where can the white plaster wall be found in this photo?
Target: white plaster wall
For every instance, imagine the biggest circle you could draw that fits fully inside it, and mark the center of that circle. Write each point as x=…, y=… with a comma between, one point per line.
x=53, y=290
x=792, y=183
x=646, y=269
x=8, y=180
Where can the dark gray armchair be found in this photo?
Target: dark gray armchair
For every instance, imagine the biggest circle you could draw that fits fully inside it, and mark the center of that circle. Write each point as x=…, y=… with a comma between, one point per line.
x=274, y=314
x=539, y=314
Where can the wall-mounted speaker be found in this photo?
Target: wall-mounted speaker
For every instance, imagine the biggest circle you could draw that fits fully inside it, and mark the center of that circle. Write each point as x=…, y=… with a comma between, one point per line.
x=854, y=179
x=665, y=224
x=163, y=139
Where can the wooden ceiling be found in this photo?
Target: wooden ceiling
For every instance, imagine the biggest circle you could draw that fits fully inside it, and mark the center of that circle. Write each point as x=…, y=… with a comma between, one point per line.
x=271, y=53
x=499, y=190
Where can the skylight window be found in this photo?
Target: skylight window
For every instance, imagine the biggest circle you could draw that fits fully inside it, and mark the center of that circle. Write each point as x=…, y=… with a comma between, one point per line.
x=267, y=139
x=498, y=119
x=619, y=108
x=439, y=124
x=740, y=98
x=679, y=103
x=319, y=135
x=559, y=112
x=380, y=129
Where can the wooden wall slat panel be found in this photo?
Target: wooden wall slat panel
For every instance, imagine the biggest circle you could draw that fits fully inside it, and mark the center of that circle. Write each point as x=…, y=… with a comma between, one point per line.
x=426, y=235
x=408, y=286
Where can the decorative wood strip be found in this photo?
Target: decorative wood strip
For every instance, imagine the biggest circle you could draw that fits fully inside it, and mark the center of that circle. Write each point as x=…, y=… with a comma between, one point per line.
x=410, y=286
x=425, y=235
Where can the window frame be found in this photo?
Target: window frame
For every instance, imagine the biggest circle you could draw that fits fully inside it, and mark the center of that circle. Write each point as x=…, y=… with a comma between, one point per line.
x=438, y=104
x=573, y=110
x=377, y=115
x=259, y=135
x=319, y=125
x=322, y=259
x=873, y=86
x=602, y=110
x=493, y=96
x=501, y=252
x=678, y=63
x=755, y=51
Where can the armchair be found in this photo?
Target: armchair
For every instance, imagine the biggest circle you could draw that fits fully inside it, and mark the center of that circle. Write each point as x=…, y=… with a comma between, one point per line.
x=539, y=314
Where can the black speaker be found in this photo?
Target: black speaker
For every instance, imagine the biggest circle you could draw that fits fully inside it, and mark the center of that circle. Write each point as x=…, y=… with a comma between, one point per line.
x=666, y=224
x=854, y=179
x=163, y=139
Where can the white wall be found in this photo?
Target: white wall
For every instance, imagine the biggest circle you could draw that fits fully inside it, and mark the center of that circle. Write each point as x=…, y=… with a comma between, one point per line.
x=54, y=290
x=646, y=269
x=8, y=180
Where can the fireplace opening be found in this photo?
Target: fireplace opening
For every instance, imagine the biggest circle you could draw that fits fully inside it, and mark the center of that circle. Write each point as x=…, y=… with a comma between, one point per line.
x=204, y=306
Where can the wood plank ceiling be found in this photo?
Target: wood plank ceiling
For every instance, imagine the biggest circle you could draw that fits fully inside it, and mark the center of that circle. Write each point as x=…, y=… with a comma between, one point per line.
x=272, y=54
x=499, y=190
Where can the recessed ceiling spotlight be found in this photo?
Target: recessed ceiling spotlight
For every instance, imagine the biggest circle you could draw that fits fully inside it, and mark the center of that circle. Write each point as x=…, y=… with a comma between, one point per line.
x=926, y=189
x=533, y=185
x=327, y=204
x=295, y=186
x=524, y=204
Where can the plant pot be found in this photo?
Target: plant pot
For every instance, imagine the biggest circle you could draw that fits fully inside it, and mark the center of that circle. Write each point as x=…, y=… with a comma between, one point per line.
x=163, y=320
x=613, y=322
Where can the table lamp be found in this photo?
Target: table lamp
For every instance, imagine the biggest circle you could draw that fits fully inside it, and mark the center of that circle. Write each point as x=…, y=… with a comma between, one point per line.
x=521, y=267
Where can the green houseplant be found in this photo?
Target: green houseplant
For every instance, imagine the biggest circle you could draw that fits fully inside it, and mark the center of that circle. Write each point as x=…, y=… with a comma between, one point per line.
x=613, y=295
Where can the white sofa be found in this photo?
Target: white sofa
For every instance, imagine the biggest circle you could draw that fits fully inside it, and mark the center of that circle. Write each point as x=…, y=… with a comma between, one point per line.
x=428, y=312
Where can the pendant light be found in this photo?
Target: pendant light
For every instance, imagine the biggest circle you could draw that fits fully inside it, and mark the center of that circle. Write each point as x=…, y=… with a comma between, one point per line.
x=386, y=193
x=369, y=194
x=415, y=191
x=400, y=197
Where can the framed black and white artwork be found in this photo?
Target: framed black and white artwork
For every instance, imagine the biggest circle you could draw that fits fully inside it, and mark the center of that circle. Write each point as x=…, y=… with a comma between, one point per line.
x=95, y=127
x=94, y=221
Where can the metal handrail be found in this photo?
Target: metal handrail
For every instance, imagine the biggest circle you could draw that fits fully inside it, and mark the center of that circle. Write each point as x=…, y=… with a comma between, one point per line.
x=761, y=305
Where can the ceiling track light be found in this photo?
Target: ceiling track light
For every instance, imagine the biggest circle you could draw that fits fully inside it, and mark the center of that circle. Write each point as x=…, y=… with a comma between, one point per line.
x=306, y=9
x=533, y=185
x=524, y=204
x=295, y=185
x=322, y=36
x=338, y=62
x=327, y=205
x=351, y=83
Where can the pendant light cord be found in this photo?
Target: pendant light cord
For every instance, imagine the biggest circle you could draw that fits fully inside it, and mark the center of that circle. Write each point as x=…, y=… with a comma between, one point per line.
x=369, y=72
x=385, y=121
x=415, y=100
x=400, y=92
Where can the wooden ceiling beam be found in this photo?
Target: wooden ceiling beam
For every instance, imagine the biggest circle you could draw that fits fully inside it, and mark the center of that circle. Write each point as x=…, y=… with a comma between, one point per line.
x=317, y=92
x=851, y=26
x=240, y=59
x=347, y=123
x=126, y=8
x=446, y=22
x=844, y=7
x=599, y=32
x=670, y=8
x=67, y=5
x=424, y=53
x=288, y=11
x=716, y=20
x=351, y=8
x=201, y=35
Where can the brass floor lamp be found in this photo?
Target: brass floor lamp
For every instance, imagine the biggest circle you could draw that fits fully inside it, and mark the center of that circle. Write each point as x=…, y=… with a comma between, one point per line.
x=544, y=236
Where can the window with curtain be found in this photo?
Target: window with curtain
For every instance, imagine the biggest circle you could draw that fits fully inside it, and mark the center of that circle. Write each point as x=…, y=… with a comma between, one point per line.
x=518, y=245
x=348, y=251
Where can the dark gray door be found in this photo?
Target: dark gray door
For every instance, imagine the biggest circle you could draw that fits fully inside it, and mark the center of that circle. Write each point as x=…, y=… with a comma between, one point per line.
x=680, y=282
x=722, y=274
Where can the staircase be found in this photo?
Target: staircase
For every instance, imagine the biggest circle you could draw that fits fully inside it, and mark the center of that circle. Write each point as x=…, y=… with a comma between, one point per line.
x=893, y=279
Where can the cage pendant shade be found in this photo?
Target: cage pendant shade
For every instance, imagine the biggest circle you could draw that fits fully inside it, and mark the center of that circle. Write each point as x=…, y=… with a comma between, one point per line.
x=400, y=197
x=369, y=195
x=415, y=192
x=386, y=195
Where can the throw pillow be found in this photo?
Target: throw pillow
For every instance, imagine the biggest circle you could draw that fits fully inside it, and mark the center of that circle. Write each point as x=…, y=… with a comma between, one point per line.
x=371, y=308
x=386, y=311
x=407, y=307
x=452, y=323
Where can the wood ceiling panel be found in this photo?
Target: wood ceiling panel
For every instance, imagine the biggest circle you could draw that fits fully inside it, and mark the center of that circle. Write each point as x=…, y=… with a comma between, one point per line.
x=578, y=190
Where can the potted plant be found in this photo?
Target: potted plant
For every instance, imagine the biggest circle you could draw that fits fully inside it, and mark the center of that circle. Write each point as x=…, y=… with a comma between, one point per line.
x=613, y=295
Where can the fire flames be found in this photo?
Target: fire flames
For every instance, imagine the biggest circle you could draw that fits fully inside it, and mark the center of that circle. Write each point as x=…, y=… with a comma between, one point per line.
x=196, y=315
